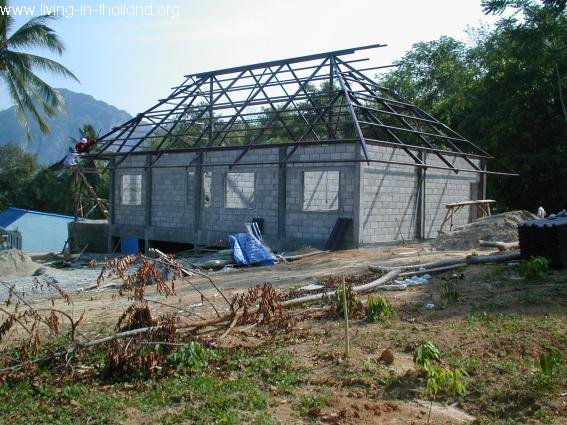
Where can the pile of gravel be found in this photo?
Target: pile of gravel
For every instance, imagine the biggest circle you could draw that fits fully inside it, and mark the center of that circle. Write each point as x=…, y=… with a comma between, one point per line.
x=499, y=227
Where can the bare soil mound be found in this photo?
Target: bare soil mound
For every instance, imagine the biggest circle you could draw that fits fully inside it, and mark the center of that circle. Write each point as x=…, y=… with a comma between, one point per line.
x=499, y=227
x=14, y=262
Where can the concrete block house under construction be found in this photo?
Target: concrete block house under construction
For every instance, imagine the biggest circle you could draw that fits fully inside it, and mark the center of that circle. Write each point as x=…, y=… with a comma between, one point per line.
x=295, y=145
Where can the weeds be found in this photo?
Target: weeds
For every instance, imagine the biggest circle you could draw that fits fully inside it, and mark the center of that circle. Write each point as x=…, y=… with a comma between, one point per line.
x=449, y=293
x=378, y=308
x=550, y=362
x=193, y=357
x=534, y=268
x=312, y=404
x=551, y=372
x=426, y=353
x=354, y=306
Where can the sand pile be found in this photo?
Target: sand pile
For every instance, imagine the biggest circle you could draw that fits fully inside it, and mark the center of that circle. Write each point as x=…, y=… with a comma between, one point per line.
x=15, y=263
x=499, y=227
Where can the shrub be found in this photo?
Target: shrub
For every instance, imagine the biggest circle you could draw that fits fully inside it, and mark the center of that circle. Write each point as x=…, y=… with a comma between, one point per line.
x=534, y=268
x=442, y=378
x=192, y=357
x=450, y=293
x=426, y=354
x=352, y=301
x=378, y=308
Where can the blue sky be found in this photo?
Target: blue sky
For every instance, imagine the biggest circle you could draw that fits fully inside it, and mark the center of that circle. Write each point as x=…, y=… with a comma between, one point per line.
x=131, y=61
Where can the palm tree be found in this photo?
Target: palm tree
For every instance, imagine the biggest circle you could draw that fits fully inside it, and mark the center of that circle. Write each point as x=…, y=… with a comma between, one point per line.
x=28, y=92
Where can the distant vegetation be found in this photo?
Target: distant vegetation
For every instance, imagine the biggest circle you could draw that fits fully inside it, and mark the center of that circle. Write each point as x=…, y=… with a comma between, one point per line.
x=26, y=184
x=505, y=92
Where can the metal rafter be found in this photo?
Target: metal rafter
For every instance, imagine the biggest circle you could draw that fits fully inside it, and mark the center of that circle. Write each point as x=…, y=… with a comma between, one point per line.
x=266, y=103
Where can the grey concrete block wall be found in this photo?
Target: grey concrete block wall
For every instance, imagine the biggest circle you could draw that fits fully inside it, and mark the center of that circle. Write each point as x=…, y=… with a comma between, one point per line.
x=172, y=195
x=389, y=201
x=381, y=199
x=442, y=187
x=133, y=215
x=239, y=190
x=218, y=220
x=315, y=226
x=389, y=196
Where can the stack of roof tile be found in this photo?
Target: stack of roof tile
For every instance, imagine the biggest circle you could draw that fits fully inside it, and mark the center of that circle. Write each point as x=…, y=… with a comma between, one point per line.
x=546, y=238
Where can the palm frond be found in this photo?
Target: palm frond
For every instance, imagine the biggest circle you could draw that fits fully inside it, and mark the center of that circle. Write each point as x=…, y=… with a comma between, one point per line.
x=36, y=34
x=30, y=61
x=29, y=93
x=6, y=22
x=22, y=100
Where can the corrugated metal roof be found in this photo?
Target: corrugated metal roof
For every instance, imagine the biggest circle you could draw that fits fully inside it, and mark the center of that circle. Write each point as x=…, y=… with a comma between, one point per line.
x=10, y=215
x=41, y=231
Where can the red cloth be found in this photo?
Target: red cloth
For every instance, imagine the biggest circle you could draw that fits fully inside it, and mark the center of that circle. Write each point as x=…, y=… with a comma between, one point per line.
x=84, y=146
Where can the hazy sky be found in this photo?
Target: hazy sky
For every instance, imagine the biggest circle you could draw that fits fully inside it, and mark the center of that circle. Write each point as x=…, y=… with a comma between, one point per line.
x=131, y=61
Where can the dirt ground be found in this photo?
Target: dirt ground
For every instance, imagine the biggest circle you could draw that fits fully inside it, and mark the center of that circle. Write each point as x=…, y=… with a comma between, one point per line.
x=501, y=321
x=102, y=307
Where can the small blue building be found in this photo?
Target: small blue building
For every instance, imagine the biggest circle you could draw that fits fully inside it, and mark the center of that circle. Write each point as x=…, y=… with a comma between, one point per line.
x=41, y=231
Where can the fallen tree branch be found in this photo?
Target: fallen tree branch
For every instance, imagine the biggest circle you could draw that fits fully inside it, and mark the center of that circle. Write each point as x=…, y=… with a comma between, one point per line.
x=416, y=267
x=496, y=258
x=126, y=334
x=175, y=266
x=473, y=259
x=231, y=325
x=178, y=266
x=368, y=287
x=502, y=246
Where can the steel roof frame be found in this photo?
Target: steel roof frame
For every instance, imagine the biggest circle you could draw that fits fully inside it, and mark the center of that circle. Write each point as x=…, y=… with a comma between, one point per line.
x=306, y=100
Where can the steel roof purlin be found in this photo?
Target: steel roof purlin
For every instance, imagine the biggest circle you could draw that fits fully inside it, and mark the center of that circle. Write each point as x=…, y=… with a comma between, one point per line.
x=314, y=99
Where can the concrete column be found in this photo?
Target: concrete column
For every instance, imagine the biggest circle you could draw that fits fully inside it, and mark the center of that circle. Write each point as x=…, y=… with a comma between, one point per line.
x=358, y=189
x=148, y=201
x=198, y=200
x=482, y=180
x=420, y=200
x=282, y=195
x=111, y=200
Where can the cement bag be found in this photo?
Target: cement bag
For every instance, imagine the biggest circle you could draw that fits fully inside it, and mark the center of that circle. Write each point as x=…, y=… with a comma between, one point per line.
x=247, y=250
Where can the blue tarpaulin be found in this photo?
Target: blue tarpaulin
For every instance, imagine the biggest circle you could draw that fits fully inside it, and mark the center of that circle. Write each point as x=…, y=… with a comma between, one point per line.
x=248, y=250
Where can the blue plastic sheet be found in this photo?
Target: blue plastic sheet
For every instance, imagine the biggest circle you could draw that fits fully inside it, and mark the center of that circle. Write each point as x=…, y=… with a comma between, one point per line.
x=248, y=250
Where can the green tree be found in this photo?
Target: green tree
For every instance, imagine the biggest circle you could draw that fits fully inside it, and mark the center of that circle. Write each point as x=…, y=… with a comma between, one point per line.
x=505, y=93
x=518, y=114
x=437, y=76
x=17, y=170
x=53, y=192
x=30, y=95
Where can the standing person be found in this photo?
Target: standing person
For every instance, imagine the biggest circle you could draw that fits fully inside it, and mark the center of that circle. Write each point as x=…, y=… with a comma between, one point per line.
x=541, y=213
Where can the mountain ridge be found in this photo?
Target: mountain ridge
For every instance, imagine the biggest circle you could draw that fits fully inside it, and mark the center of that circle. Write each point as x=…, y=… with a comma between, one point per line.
x=80, y=109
